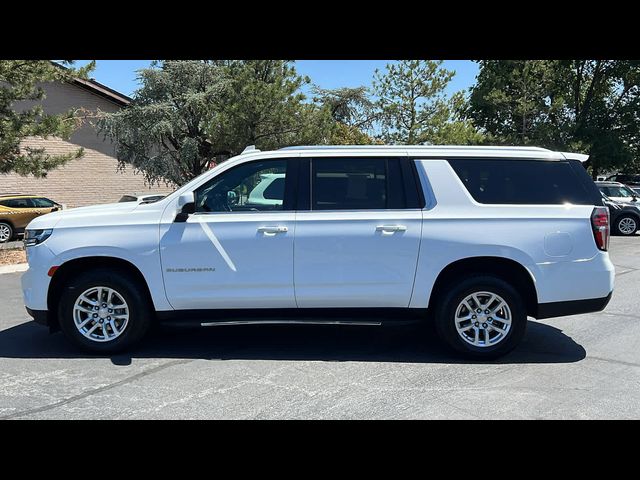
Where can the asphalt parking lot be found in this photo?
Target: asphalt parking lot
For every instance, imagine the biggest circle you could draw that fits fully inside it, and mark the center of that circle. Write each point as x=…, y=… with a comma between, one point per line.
x=585, y=366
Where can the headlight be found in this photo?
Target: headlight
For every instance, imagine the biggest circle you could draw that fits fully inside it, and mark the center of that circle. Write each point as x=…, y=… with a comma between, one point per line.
x=36, y=237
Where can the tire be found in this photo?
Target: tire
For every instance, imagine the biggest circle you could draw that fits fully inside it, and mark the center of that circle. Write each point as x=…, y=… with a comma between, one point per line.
x=451, y=307
x=125, y=292
x=6, y=232
x=626, y=225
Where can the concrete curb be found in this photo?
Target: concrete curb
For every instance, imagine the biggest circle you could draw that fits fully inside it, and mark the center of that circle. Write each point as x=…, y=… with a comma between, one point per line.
x=19, y=267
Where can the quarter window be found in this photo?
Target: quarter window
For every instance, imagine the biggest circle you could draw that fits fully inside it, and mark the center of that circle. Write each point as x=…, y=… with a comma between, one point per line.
x=528, y=182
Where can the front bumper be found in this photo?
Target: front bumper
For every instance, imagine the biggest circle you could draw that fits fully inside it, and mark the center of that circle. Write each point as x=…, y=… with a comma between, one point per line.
x=40, y=316
x=572, y=307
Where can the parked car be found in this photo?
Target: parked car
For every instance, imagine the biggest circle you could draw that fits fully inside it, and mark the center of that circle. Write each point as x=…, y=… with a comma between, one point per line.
x=637, y=190
x=618, y=192
x=475, y=238
x=628, y=179
x=17, y=210
x=141, y=198
x=625, y=218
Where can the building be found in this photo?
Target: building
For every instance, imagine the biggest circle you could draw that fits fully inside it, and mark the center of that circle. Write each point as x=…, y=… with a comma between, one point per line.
x=93, y=178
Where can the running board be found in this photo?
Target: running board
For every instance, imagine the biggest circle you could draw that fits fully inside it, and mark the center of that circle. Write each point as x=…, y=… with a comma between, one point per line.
x=289, y=322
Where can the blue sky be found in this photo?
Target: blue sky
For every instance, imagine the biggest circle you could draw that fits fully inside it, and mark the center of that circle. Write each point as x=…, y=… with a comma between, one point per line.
x=121, y=74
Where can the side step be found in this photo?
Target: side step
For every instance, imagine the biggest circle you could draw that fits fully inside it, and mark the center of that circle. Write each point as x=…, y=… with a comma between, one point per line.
x=291, y=316
x=290, y=322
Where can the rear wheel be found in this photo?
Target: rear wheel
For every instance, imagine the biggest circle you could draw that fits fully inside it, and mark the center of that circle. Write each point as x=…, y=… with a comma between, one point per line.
x=481, y=317
x=104, y=311
x=6, y=232
x=627, y=225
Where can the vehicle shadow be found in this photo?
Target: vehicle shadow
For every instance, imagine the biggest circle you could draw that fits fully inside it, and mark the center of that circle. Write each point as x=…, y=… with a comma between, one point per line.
x=409, y=344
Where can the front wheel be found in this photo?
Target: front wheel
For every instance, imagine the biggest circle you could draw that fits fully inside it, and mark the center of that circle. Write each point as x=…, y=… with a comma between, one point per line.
x=481, y=317
x=627, y=225
x=104, y=311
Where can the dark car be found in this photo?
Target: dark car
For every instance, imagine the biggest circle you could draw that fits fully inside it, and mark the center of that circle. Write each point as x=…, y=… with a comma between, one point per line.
x=632, y=179
x=625, y=218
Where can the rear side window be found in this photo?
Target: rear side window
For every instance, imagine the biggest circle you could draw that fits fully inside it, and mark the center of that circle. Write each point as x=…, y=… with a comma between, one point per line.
x=528, y=182
x=356, y=184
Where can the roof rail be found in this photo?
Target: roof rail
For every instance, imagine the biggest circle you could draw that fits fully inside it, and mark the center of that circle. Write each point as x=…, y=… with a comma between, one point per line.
x=412, y=147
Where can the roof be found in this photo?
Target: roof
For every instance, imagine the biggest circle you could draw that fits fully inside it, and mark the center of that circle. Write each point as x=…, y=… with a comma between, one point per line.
x=99, y=89
x=103, y=91
x=437, y=151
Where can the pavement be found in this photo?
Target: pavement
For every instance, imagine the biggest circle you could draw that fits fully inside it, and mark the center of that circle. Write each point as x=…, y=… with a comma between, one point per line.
x=579, y=367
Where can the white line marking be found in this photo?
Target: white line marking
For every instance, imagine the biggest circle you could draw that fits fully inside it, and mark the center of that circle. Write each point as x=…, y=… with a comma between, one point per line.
x=216, y=243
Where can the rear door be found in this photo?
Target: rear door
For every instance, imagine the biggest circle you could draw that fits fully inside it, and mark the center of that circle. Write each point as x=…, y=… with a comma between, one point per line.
x=358, y=230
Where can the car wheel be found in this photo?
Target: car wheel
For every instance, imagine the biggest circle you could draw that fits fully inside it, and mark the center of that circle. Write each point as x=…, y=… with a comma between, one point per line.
x=481, y=317
x=104, y=311
x=6, y=232
x=627, y=225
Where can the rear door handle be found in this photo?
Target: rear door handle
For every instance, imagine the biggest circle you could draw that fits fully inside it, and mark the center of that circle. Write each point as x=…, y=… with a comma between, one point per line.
x=391, y=228
x=272, y=230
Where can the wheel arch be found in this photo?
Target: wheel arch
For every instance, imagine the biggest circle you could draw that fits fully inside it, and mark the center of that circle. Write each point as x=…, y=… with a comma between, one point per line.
x=83, y=264
x=506, y=269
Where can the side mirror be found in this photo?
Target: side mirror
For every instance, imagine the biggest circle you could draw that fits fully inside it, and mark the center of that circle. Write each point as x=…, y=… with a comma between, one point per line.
x=186, y=206
x=185, y=199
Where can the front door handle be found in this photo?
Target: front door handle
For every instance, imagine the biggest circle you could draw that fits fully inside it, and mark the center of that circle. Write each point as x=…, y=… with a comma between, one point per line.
x=391, y=228
x=272, y=230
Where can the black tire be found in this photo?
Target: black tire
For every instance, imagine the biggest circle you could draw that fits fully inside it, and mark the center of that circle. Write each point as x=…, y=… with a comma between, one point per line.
x=140, y=309
x=634, y=221
x=6, y=227
x=446, y=310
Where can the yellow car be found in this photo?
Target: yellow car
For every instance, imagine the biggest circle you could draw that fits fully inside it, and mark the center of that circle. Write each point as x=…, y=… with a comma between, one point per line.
x=17, y=210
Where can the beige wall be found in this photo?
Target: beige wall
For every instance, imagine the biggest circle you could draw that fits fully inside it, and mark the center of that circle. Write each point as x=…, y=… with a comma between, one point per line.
x=91, y=179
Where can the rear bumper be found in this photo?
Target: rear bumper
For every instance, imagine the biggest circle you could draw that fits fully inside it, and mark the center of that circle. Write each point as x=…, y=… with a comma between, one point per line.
x=572, y=307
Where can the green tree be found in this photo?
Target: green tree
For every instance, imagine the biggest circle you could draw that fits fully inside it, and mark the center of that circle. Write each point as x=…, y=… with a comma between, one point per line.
x=21, y=81
x=188, y=114
x=414, y=108
x=163, y=133
x=588, y=106
x=353, y=112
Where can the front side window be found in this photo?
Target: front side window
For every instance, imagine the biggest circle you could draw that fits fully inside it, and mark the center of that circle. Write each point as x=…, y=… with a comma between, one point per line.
x=356, y=184
x=42, y=203
x=250, y=187
x=618, y=192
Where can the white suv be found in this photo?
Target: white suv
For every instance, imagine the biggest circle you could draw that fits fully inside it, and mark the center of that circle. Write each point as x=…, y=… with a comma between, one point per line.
x=475, y=238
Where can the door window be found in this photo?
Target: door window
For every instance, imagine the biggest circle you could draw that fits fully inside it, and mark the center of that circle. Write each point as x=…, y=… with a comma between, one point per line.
x=356, y=184
x=42, y=203
x=250, y=187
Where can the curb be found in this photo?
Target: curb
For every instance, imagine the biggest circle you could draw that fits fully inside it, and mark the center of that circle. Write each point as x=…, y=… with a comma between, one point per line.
x=19, y=267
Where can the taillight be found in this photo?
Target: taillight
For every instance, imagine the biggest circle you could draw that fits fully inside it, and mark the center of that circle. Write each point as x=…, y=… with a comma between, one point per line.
x=601, y=229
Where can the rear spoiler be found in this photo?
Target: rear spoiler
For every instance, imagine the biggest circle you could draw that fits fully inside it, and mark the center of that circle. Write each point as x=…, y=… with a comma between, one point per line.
x=575, y=156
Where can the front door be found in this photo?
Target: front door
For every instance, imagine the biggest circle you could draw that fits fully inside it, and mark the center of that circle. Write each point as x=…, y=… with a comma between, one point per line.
x=236, y=250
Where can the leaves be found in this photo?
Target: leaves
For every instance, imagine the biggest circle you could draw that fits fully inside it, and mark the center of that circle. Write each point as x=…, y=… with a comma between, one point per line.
x=189, y=114
x=20, y=80
x=588, y=106
x=414, y=108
